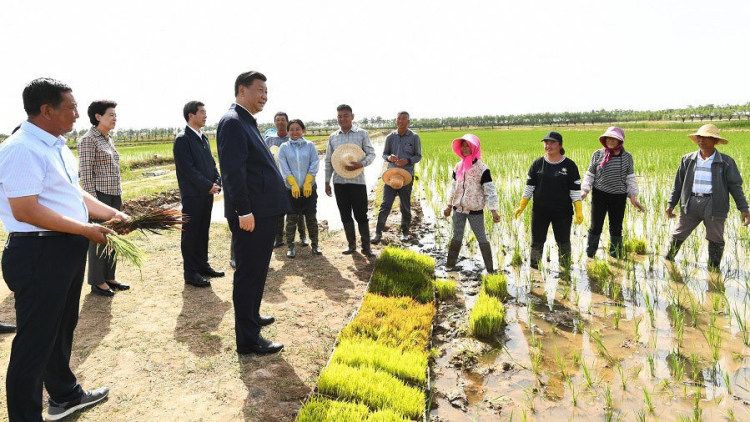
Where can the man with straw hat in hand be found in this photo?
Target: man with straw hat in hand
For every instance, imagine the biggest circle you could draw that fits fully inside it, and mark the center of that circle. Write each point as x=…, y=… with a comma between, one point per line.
x=704, y=181
x=402, y=150
x=349, y=151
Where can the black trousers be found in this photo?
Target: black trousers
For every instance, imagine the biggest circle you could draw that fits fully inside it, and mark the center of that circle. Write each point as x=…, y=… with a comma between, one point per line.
x=194, y=240
x=541, y=218
x=389, y=195
x=603, y=203
x=351, y=198
x=252, y=254
x=102, y=267
x=45, y=275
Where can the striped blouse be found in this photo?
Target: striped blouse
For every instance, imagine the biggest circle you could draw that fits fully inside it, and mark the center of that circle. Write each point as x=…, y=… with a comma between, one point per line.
x=617, y=177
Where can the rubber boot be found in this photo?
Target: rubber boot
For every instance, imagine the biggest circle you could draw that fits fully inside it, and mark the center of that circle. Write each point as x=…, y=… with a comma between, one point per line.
x=615, y=247
x=674, y=247
x=486, y=250
x=351, y=238
x=311, y=222
x=592, y=244
x=291, y=225
x=536, y=255
x=715, y=252
x=279, y=232
x=453, y=249
x=364, y=234
x=563, y=250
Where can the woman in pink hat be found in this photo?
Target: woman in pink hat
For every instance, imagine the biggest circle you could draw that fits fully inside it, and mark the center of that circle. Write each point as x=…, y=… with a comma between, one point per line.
x=610, y=179
x=471, y=190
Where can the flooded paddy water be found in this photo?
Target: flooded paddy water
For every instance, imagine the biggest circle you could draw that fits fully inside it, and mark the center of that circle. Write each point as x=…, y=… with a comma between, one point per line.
x=648, y=340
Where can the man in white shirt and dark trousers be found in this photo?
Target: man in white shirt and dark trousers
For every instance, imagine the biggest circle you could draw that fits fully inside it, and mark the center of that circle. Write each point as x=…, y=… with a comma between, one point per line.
x=702, y=186
x=351, y=193
x=46, y=214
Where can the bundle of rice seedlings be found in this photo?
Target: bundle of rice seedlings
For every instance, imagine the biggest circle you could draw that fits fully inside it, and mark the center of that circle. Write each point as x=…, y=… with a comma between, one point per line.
x=401, y=272
x=154, y=221
x=634, y=245
x=398, y=322
x=120, y=247
x=408, y=365
x=487, y=316
x=495, y=285
x=320, y=409
x=375, y=389
x=599, y=271
x=445, y=289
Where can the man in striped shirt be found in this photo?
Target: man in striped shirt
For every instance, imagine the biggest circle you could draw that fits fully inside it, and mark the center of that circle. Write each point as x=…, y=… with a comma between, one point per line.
x=704, y=181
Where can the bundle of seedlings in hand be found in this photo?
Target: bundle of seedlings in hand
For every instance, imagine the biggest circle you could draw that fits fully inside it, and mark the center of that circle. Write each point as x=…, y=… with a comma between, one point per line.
x=154, y=221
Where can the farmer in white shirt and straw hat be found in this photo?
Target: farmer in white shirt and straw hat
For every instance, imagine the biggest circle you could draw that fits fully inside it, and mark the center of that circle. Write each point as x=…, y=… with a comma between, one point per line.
x=349, y=151
x=702, y=186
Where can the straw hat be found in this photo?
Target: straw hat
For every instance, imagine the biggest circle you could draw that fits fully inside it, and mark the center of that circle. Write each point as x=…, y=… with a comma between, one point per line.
x=710, y=131
x=396, y=178
x=344, y=155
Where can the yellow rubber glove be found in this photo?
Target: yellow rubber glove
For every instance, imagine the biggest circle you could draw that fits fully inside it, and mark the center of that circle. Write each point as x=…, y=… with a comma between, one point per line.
x=521, y=207
x=295, y=187
x=307, y=186
x=579, y=212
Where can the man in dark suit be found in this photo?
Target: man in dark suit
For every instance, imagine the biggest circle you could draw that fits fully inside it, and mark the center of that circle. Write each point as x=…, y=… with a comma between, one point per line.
x=254, y=198
x=198, y=180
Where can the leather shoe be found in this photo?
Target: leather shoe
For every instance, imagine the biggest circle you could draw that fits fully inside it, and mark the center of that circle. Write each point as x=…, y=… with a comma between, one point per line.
x=102, y=292
x=349, y=250
x=316, y=250
x=210, y=272
x=278, y=242
x=375, y=240
x=197, y=280
x=233, y=263
x=404, y=237
x=303, y=241
x=266, y=320
x=290, y=252
x=118, y=286
x=368, y=253
x=262, y=347
x=6, y=328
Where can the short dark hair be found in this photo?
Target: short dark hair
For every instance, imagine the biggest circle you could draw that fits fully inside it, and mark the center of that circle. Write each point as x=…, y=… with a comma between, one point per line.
x=281, y=113
x=404, y=113
x=246, y=79
x=99, y=107
x=191, y=108
x=345, y=107
x=298, y=121
x=43, y=91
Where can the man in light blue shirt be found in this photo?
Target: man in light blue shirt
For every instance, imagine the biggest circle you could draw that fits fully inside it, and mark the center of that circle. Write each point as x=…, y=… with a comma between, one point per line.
x=46, y=214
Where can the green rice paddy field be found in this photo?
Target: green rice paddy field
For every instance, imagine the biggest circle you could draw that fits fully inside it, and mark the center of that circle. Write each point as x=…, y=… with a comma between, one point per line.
x=631, y=339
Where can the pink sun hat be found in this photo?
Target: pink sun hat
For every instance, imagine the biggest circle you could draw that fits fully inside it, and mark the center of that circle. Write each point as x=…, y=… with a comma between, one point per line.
x=613, y=132
x=466, y=162
x=471, y=139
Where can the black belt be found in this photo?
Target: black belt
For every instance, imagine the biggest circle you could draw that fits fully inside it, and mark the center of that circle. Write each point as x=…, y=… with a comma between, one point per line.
x=38, y=234
x=701, y=195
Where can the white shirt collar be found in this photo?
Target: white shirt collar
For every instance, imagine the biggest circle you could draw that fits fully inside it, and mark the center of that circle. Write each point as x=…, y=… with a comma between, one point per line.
x=243, y=107
x=197, y=132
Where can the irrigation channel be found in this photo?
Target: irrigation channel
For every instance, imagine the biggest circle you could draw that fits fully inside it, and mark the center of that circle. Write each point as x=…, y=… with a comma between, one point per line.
x=650, y=341
x=327, y=209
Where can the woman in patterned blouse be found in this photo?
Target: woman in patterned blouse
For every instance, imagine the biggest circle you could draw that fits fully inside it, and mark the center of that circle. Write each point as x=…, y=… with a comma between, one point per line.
x=99, y=173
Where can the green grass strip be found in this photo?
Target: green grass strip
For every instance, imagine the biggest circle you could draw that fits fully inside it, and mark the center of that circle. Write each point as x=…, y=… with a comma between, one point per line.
x=376, y=389
x=401, y=272
x=495, y=285
x=486, y=317
x=407, y=365
x=398, y=322
x=445, y=289
x=320, y=409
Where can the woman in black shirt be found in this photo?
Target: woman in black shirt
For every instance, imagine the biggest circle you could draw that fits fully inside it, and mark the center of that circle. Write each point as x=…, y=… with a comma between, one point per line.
x=555, y=185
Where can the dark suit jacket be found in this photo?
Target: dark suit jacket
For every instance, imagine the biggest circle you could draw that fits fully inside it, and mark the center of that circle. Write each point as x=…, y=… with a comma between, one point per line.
x=252, y=182
x=196, y=168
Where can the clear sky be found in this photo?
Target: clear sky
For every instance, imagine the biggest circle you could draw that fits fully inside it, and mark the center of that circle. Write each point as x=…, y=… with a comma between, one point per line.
x=432, y=58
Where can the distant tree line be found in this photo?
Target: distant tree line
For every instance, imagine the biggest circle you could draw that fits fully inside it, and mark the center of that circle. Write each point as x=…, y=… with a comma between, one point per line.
x=709, y=112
